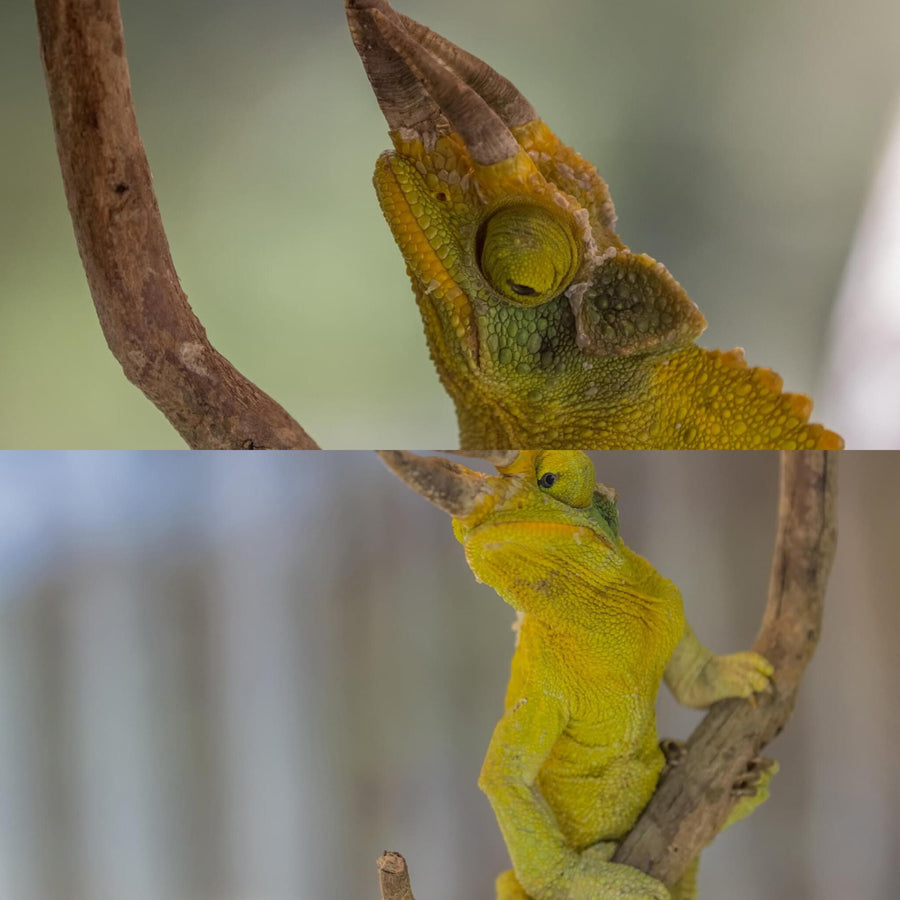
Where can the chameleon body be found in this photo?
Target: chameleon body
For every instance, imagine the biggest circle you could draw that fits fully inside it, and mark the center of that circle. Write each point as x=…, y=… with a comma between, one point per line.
x=576, y=756
x=545, y=329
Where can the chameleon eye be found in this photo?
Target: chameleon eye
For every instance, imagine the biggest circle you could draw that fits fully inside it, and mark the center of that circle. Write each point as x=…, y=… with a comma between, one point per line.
x=527, y=254
x=567, y=476
x=547, y=480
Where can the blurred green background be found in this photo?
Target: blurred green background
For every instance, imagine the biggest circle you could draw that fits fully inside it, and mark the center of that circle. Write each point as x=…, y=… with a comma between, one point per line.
x=283, y=666
x=738, y=139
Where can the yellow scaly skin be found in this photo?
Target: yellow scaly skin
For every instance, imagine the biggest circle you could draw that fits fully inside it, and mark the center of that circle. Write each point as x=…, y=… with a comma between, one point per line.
x=576, y=756
x=555, y=334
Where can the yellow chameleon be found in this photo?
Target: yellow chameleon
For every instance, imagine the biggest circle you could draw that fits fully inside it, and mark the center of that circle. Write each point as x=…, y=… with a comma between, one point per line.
x=546, y=330
x=576, y=756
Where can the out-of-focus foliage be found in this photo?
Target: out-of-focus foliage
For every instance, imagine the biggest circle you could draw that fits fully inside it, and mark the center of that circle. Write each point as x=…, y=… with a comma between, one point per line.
x=244, y=676
x=738, y=140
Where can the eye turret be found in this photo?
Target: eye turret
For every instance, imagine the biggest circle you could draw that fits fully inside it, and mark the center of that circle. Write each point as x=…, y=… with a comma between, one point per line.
x=526, y=253
x=567, y=476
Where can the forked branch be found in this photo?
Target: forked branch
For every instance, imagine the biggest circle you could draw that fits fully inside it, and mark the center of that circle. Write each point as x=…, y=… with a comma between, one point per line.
x=693, y=801
x=145, y=316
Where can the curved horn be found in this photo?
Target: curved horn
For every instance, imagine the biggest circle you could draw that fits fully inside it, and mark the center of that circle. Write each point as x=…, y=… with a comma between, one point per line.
x=500, y=458
x=498, y=92
x=486, y=137
x=402, y=99
x=455, y=489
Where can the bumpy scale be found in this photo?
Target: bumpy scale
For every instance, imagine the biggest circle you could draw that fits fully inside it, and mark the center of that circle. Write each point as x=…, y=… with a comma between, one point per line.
x=544, y=327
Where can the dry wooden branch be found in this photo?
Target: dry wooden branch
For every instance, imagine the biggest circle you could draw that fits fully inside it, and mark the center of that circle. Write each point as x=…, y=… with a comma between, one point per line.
x=393, y=877
x=143, y=311
x=691, y=803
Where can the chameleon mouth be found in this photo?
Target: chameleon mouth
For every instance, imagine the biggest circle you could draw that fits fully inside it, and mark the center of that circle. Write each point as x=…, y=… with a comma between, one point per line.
x=540, y=531
x=401, y=199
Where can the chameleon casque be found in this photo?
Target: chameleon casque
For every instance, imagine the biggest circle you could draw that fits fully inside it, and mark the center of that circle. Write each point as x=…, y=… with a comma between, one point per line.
x=576, y=756
x=546, y=330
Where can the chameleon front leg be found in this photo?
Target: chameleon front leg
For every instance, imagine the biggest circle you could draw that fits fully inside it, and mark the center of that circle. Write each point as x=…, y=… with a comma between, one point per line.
x=698, y=678
x=545, y=867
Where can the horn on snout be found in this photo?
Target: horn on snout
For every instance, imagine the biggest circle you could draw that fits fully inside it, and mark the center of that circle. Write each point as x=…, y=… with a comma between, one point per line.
x=424, y=82
x=403, y=100
x=454, y=488
x=487, y=139
x=500, y=458
x=498, y=92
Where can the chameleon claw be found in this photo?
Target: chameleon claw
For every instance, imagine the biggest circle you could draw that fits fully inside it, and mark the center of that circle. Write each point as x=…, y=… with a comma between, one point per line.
x=674, y=751
x=747, y=785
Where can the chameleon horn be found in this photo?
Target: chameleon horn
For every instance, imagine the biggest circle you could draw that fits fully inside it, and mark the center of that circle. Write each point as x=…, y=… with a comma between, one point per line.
x=498, y=92
x=403, y=100
x=500, y=458
x=455, y=489
x=486, y=137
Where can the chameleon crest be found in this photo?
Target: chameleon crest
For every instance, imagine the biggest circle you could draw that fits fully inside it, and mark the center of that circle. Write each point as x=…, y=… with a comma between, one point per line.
x=544, y=327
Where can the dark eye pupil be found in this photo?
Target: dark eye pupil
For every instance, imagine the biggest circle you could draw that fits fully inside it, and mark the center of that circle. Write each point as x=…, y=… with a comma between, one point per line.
x=548, y=479
x=523, y=290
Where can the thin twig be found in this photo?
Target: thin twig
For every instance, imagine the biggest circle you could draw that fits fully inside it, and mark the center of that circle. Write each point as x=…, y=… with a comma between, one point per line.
x=143, y=311
x=393, y=877
x=692, y=802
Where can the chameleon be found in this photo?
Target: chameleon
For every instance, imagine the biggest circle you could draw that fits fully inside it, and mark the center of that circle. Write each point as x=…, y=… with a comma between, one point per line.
x=544, y=327
x=576, y=755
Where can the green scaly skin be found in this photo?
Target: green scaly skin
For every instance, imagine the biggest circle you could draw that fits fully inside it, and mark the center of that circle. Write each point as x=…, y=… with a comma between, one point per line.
x=576, y=756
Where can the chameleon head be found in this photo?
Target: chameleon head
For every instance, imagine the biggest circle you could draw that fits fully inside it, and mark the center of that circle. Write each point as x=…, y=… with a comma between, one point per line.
x=508, y=234
x=541, y=532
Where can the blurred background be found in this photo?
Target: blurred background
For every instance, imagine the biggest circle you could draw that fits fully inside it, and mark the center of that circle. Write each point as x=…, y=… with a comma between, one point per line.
x=244, y=676
x=740, y=142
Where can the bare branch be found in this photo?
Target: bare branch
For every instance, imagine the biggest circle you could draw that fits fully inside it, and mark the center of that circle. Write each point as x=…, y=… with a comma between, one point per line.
x=693, y=801
x=393, y=877
x=143, y=311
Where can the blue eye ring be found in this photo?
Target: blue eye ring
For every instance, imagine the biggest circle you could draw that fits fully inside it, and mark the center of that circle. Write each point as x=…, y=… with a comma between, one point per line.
x=547, y=480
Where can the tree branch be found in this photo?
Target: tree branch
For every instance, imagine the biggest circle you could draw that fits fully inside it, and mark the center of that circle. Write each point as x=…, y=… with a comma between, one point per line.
x=393, y=877
x=693, y=801
x=144, y=313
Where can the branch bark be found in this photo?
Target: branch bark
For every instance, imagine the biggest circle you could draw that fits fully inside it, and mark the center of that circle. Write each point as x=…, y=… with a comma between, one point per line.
x=393, y=877
x=145, y=316
x=693, y=801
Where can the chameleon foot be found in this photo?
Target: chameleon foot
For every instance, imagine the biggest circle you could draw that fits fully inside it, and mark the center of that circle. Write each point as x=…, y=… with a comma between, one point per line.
x=674, y=751
x=508, y=887
x=592, y=877
x=748, y=784
x=752, y=786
